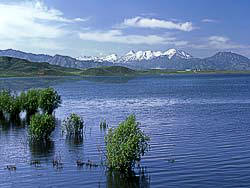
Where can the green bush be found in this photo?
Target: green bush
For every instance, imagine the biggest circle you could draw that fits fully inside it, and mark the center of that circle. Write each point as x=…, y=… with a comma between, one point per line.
x=41, y=126
x=15, y=107
x=10, y=104
x=30, y=101
x=73, y=125
x=49, y=100
x=125, y=145
x=5, y=101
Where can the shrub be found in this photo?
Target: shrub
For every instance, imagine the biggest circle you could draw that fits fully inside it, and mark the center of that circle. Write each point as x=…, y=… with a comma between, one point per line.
x=41, y=126
x=10, y=104
x=125, y=145
x=15, y=107
x=5, y=101
x=30, y=101
x=73, y=125
x=49, y=100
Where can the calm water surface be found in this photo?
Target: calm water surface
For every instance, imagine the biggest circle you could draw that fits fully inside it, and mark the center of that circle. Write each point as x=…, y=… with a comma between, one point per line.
x=199, y=127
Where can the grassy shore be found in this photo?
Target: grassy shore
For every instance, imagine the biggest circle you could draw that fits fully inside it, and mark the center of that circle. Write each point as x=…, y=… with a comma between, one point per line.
x=123, y=71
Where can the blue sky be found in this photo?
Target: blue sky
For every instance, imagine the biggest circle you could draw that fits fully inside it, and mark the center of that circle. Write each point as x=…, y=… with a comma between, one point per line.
x=101, y=27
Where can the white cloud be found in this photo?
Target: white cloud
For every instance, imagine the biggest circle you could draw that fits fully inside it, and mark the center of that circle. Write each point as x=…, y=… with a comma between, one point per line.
x=24, y=22
x=81, y=19
x=218, y=40
x=209, y=20
x=117, y=36
x=156, y=23
x=219, y=43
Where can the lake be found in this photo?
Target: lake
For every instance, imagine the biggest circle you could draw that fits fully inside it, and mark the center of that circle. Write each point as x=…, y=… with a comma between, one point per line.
x=199, y=127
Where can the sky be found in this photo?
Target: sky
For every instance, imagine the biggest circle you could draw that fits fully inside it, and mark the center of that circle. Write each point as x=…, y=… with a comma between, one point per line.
x=101, y=27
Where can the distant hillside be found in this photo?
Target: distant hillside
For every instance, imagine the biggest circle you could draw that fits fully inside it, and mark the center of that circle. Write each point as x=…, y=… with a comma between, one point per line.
x=10, y=66
x=171, y=59
x=108, y=71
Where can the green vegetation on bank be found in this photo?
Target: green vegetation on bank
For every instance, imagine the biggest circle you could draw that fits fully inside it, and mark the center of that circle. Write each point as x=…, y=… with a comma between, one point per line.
x=109, y=71
x=14, y=67
x=124, y=71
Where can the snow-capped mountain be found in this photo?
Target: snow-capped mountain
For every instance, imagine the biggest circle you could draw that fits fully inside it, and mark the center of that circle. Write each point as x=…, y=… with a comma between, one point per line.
x=148, y=55
x=138, y=56
x=110, y=58
x=179, y=53
x=171, y=59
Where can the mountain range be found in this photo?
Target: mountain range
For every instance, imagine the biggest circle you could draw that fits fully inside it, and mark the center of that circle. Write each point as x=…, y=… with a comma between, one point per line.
x=171, y=59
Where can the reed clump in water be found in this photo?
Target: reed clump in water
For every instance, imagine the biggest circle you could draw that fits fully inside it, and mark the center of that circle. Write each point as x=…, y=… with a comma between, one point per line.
x=125, y=145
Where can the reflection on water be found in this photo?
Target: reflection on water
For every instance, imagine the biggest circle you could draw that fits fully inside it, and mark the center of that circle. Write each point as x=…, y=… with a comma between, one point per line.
x=20, y=84
x=112, y=79
x=14, y=123
x=76, y=141
x=141, y=179
x=42, y=149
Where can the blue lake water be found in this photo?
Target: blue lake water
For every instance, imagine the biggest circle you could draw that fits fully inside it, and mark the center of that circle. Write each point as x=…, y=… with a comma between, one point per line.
x=199, y=127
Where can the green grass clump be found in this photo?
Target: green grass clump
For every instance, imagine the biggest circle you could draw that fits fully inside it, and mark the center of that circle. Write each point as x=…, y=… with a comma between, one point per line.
x=10, y=104
x=49, y=100
x=125, y=145
x=30, y=101
x=73, y=125
x=5, y=101
x=41, y=126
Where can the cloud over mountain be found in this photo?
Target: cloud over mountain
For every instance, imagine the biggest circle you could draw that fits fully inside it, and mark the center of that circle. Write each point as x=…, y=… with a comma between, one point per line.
x=156, y=23
x=118, y=36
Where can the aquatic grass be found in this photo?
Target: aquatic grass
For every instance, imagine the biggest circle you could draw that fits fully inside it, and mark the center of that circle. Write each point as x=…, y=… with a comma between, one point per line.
x=49, y=100
x=5, y=101
x=73, y=126
x=125, y=145
x=41, y=126
x=30, y=101
x=104, y=125
x=10, y=104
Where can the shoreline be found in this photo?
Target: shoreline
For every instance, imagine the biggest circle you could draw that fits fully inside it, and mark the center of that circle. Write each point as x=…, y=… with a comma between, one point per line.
x=139, y=74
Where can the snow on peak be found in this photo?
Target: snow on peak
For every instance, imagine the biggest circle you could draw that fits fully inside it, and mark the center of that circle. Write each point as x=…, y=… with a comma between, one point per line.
x=87, y=58
x=139, y=56
x=110, y=58
x=173, y=52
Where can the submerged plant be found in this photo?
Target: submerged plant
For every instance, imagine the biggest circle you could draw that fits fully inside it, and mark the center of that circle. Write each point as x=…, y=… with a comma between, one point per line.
x=103, y=125
x=41, y=126
x=49, y=100
x=73, y=125
x=125, y=145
